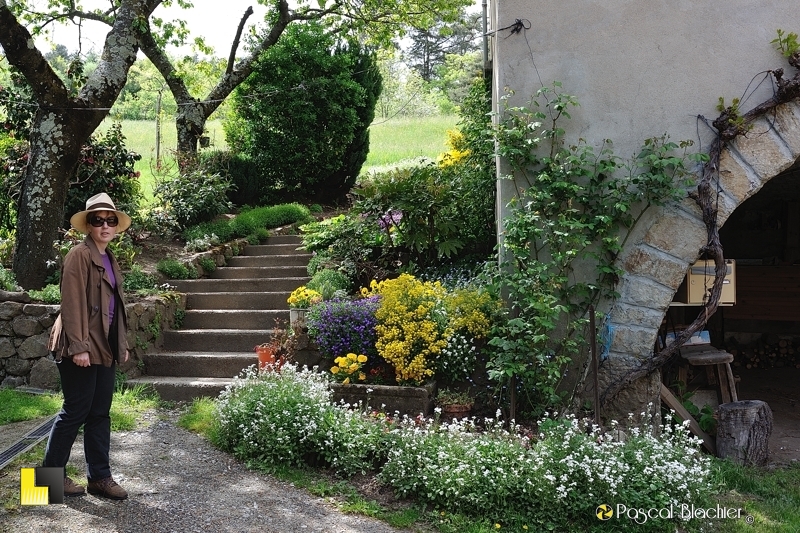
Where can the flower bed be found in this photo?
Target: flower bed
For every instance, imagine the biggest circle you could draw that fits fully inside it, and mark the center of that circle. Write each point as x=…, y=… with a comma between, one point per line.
x=553, y=480
x=410, y=331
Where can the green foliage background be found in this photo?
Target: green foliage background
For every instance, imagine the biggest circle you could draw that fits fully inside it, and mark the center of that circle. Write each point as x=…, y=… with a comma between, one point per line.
x=302, y=116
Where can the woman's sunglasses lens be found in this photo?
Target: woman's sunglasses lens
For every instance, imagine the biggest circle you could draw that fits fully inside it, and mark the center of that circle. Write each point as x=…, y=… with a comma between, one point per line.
x=97, y=222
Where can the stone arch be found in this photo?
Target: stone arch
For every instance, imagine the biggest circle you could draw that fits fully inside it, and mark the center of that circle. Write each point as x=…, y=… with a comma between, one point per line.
x=662, y=247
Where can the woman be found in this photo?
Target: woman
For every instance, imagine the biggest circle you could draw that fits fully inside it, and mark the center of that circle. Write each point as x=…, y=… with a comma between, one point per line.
x=94, y=329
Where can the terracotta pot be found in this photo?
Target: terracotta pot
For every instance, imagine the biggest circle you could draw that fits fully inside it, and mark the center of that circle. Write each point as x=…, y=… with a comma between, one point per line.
x=456, y=411
x=266, y=356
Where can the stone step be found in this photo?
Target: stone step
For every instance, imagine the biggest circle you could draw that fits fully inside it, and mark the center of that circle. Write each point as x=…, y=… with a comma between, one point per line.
x=287, y=284
x=284, y=239
x=182, y=389
x=273, y=249
x=260, y=272
x=214, y=340
x=238, y=300
x=269, y=260
x=216, y=318
x=198, y=364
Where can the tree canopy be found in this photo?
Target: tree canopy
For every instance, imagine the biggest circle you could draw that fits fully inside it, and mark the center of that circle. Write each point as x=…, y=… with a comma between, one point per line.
x=65, y=119
x=302, y=115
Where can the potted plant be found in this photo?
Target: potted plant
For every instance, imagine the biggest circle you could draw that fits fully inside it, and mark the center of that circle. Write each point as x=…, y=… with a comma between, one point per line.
x=454, y=404
x=274, y=353
x=299, y=302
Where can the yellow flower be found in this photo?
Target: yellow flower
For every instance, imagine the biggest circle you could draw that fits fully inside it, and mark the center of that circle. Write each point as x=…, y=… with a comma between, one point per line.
x=362, y=358
x=362, y=376
x=346, y=381
x=352, y=356
x=335, y=370
x=497, y=526
x=303, y=297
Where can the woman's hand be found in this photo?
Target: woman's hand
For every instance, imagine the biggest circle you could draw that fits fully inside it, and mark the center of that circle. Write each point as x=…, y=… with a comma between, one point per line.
x=124, y=358
x=81, y=359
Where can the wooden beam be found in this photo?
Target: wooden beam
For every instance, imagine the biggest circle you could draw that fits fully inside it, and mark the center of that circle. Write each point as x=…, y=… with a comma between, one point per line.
x=673, y=403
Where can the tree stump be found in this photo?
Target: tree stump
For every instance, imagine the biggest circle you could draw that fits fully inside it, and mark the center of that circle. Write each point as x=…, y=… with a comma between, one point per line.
x=743, y=430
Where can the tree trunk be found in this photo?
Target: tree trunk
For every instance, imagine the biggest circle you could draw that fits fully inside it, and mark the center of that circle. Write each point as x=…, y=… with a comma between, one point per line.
x=60, y=127
x=55, y=146
x=190, y=121
x=743, y=431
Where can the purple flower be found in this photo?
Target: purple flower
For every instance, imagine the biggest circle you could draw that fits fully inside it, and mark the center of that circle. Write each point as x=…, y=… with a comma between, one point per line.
x=340, y=327
x=392, y=218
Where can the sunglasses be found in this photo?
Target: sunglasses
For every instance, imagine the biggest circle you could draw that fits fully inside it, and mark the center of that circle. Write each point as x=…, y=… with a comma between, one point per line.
x=98, y=222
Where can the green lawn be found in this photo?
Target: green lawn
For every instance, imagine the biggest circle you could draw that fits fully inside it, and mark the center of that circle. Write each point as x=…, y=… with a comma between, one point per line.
x=140, y=137
x=392, y=142
x=403, y=139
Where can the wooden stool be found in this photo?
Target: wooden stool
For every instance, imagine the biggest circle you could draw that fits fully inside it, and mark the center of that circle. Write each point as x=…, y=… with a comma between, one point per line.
x=718, y=368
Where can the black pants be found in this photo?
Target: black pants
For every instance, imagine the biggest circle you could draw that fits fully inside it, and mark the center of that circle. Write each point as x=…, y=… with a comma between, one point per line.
x=87, y=400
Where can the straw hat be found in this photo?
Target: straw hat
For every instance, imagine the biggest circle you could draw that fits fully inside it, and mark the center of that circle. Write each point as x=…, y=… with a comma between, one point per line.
x=99, y=202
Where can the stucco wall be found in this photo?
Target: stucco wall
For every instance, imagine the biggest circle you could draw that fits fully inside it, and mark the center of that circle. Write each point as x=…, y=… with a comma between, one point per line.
x=639, y=70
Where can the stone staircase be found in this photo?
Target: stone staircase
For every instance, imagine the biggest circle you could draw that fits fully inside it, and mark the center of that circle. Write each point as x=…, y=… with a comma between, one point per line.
x=226, y=316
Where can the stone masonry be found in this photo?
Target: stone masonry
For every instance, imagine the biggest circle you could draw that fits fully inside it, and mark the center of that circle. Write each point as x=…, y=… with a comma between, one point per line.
x=669, y=240
x=25, y=330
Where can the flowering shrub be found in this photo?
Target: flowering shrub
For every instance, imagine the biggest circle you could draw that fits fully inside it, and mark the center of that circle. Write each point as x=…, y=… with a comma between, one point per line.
x=551, y=482
x=457, y=151
x=469, y=314
x=286, y=418
x=412, y=326
x=272, y=416
x=303, y=297
x=558, y=480
x=424, y=330
x=343, y=326
x=348, y=368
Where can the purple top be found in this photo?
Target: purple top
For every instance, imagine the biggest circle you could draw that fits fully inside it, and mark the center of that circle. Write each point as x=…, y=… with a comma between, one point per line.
x=112, y=302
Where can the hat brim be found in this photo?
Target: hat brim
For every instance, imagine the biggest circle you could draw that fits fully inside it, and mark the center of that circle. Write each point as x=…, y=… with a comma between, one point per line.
x=78, y=220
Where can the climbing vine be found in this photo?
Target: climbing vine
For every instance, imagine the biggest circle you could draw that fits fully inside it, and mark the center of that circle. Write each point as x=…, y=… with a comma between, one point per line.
x=729, y=125
x=575, y=206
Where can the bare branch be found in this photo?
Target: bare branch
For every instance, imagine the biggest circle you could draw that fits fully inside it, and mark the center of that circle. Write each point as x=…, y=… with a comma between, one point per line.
x=235, y=44
x=17, y=43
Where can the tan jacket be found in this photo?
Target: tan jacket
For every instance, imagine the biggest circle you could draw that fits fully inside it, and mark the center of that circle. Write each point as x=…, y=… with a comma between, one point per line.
x=85, y=293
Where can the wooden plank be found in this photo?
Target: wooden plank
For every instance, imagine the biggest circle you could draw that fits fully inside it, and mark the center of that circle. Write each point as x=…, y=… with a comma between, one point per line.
x=673, y=403
x=724, y=387
x=732, y=381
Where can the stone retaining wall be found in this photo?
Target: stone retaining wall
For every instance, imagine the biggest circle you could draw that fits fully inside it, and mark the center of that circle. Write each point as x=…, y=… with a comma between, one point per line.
x=25, y=327
x=25, y=330
x=218, y=254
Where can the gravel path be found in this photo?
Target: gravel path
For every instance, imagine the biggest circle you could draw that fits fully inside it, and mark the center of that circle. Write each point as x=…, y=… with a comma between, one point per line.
x=179, y=483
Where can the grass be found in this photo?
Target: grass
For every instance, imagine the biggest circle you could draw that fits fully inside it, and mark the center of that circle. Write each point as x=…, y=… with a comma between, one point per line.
x=140, y=137
x=770, y=497
x=21, y=406
x=407, y=139
x=128, y=404
x=392, y=142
